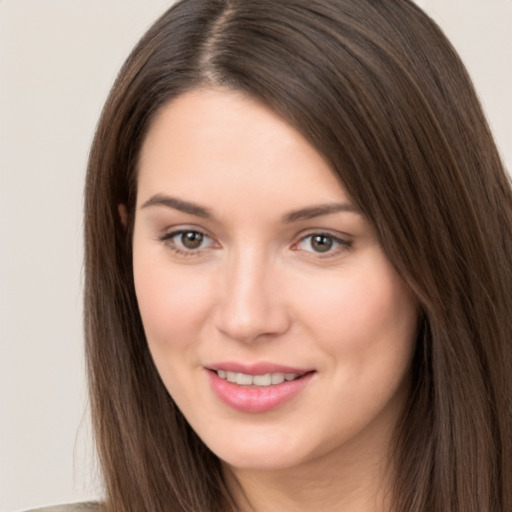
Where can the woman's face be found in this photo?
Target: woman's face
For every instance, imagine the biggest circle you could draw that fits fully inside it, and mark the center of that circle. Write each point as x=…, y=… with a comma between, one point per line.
x=277, y=323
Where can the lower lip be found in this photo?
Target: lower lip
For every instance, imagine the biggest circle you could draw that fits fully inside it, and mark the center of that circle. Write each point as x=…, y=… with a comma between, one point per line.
x=257, y=399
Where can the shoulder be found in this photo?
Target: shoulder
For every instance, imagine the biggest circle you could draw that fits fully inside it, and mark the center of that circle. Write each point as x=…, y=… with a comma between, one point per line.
x=71, y=507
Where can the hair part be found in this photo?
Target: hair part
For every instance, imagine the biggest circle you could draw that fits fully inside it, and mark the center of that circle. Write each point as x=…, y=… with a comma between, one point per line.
x=377, y=89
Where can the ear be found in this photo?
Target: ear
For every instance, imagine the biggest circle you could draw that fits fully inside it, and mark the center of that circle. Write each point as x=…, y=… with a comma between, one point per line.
x=123, y=214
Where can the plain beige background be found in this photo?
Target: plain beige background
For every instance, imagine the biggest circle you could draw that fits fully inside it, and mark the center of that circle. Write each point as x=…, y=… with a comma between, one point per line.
x=58, y=59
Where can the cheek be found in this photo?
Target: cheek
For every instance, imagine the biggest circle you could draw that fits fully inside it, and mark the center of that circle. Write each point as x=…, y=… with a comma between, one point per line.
x=366, y=325
x=172, y=302
x=362, y=313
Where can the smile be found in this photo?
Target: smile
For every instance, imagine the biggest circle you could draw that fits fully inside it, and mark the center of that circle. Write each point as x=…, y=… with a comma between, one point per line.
x=267, y=379
x=257, y=388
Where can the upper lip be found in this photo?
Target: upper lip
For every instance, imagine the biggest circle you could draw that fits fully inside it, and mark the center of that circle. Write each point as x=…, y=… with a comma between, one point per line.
x=260, y=368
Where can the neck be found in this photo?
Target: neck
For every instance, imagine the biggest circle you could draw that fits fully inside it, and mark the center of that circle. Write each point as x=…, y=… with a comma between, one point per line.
x=352, y=479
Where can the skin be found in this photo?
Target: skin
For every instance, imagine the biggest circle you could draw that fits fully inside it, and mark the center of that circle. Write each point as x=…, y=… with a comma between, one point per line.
x=258, y=289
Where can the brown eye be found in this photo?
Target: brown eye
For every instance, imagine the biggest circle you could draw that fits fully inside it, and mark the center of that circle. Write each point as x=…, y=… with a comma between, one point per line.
x=321, y=243
x=191, y=239
x=188, y=242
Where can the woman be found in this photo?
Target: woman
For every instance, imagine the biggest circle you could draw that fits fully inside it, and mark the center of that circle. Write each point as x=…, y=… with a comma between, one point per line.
x=298, y=282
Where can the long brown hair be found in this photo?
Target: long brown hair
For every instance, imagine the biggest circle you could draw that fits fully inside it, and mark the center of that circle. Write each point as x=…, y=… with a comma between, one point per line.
x=378, y=90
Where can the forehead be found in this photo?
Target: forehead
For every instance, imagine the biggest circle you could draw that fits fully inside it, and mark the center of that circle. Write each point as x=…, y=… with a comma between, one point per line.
x=209, y=141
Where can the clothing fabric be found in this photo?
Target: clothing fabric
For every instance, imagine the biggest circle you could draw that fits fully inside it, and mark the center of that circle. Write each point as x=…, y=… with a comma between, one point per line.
x=70, y=507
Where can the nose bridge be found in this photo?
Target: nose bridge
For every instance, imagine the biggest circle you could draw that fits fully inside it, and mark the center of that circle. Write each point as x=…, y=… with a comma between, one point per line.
x=249, y=306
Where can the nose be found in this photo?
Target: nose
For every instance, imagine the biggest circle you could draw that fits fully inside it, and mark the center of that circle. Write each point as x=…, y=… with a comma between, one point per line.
x=251, y=306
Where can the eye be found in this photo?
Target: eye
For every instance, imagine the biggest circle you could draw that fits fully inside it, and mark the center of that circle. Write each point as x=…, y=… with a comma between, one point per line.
x=187, y=241
x=190, y=239
x=322, y=243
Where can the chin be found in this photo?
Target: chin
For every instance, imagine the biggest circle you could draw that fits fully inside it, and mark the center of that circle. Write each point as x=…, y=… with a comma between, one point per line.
x=259, y=461
x=260, y=451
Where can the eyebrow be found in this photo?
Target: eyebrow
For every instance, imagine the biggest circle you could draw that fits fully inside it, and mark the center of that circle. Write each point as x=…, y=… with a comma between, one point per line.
x=319, y=210
x=178, y=204
x=294, y=216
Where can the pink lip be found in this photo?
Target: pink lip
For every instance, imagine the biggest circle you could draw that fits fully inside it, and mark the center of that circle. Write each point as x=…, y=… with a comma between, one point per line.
x=254, y=399
x=261, y=368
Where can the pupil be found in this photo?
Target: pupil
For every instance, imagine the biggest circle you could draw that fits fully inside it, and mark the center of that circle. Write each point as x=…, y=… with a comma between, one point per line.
x=321, y=243
x=192, y=239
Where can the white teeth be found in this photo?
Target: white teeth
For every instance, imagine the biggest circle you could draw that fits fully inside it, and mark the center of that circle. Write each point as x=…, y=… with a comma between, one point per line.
x=277, y=378
x=262, y=380
x=242, y=379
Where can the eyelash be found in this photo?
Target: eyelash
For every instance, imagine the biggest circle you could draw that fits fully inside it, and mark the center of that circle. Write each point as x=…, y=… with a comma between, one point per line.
x=342, y=244
x=167, y=239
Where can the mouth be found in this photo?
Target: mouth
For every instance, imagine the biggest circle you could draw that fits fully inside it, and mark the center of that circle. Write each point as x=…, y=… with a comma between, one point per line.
x=257, y=388
x=262, y=380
